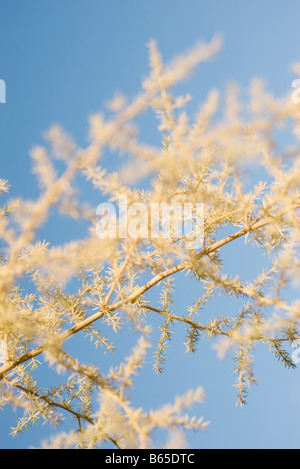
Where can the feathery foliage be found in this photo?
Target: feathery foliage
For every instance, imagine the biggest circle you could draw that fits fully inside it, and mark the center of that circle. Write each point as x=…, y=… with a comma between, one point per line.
x=87, y=291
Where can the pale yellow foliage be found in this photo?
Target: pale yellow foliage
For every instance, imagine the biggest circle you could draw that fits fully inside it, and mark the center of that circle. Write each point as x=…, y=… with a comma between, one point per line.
x=91, y=289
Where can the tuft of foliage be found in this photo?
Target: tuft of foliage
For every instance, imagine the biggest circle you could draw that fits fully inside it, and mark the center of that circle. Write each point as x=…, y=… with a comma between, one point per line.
x=86, y=291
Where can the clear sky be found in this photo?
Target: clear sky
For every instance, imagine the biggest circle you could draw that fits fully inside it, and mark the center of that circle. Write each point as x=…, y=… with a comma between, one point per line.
x=61, y=60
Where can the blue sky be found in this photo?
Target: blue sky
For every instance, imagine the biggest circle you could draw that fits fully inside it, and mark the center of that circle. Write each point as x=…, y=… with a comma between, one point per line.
x=61, y=60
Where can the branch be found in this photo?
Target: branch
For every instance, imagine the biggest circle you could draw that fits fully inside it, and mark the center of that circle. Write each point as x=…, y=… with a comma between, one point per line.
x=204, y=328
x=255, y=225
x=50, y=402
